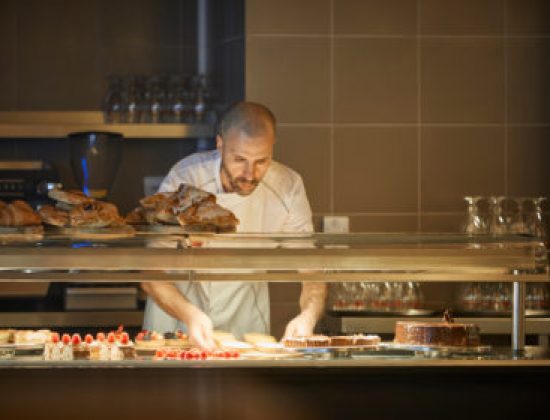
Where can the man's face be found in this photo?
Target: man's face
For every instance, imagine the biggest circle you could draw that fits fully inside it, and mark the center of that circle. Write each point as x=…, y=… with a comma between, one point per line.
x=245, y=160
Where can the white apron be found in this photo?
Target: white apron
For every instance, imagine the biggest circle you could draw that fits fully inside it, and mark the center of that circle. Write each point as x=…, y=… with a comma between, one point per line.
x=234, y=306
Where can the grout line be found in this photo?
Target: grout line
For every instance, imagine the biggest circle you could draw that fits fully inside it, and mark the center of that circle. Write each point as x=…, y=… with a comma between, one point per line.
x=413, y=125
x=391, y=214
x=396, y=36
x=15, y=57
x=331, y=109
x=506, y=105
x=180, y=36
x=418, y=118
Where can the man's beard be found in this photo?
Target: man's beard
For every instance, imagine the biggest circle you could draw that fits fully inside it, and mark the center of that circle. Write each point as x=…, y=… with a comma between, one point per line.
x=235, y=182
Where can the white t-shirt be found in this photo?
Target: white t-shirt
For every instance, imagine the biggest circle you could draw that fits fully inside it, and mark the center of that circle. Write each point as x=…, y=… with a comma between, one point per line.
x=278, y=204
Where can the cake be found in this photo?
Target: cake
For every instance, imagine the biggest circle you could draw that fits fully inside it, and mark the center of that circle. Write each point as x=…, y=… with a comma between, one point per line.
x=318, y=341
x=31, y=337
x=443, y=333
x=342, y=340
x=81, y=350
x=149, y=340
x=295, y=342
x=177, y=339
x=366, y=340
x=6, y=336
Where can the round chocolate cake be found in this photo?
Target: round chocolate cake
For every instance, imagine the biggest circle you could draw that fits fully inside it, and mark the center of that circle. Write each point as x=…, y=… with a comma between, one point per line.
x=444, y=333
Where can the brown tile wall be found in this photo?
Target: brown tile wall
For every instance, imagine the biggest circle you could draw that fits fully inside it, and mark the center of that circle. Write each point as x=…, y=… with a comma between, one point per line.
x=393, y=110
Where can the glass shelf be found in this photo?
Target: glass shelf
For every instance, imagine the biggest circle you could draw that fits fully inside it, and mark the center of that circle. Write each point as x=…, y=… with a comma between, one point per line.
x=275, y=257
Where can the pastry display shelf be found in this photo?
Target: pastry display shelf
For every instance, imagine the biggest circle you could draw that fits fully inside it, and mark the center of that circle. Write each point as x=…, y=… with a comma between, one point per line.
x=276, y=257
x=280, y=257
x=45, y=124
x=78, y=319
x=541, y=360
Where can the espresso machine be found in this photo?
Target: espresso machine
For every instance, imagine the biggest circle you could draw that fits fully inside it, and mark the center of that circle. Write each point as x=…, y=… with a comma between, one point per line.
x=95, y=158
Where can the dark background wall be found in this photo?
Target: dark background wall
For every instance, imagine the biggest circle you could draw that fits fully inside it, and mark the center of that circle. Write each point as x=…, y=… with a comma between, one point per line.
x=57, y=55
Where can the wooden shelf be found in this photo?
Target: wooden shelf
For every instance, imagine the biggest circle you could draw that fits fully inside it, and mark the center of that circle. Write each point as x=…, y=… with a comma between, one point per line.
x=40, y=124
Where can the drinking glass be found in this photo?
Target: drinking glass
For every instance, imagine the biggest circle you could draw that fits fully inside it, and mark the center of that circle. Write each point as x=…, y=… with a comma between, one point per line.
x=535, y=223
x=499, y=225
x=475, y=224
x=517, y=221
x=112, y=102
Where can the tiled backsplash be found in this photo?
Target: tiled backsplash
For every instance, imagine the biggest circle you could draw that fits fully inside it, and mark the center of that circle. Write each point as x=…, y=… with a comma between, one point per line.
x=393, y=110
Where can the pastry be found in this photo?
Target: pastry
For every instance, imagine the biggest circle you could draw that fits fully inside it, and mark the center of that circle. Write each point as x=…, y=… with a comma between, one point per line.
x=318, y=341
x=188, y=206
x=31, y=337
x=366, y=340
x=18, y=213
x=294, y=342
x=149, y=340
x=81, y=351
x=53, y=216
x=6, y=336
x=342, y=340
x=177, y=339
x=73, y=197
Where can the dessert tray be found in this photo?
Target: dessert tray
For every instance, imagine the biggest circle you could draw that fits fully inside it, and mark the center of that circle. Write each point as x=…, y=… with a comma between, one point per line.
x=504, y=314
x=21, y=233
x=382, y=313
x=176, y=229
x=436, y=350
x=112, y=232
x=8, y=351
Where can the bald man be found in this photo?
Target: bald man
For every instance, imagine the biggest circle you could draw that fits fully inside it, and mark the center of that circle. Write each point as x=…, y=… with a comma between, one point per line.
x=267, y=197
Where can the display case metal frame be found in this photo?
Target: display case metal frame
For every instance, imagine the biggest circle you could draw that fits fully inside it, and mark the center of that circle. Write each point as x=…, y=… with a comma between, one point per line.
x=283, y=257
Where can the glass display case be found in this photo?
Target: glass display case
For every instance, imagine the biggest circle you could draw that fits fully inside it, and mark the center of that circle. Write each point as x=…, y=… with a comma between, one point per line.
x=173, y=255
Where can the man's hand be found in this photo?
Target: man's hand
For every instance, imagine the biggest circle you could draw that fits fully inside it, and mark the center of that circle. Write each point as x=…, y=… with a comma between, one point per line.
x=170, y=299
x=200, y=330
x=302, y=325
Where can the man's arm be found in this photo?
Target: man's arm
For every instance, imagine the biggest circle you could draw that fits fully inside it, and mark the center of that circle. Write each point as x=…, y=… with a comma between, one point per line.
x=312, y=305
x=174, y=303
x=313, y=295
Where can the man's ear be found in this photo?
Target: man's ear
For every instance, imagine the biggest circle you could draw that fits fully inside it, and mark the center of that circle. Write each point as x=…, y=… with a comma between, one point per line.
x=219, y=142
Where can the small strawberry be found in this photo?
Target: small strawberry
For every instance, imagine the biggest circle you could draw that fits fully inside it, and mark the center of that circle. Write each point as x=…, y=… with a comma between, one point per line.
x=89, y=339
x=124, y=338
x=76, y=339
x=66, y=338
x=159, y=354
x=55, y=337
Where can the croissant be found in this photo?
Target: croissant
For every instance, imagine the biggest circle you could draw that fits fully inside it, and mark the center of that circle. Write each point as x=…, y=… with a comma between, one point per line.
x=54, y=216
x=18, y=213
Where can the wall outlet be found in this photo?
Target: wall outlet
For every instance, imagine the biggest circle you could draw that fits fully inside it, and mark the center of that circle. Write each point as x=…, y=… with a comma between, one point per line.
x=151, y=184
x=336, y=224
